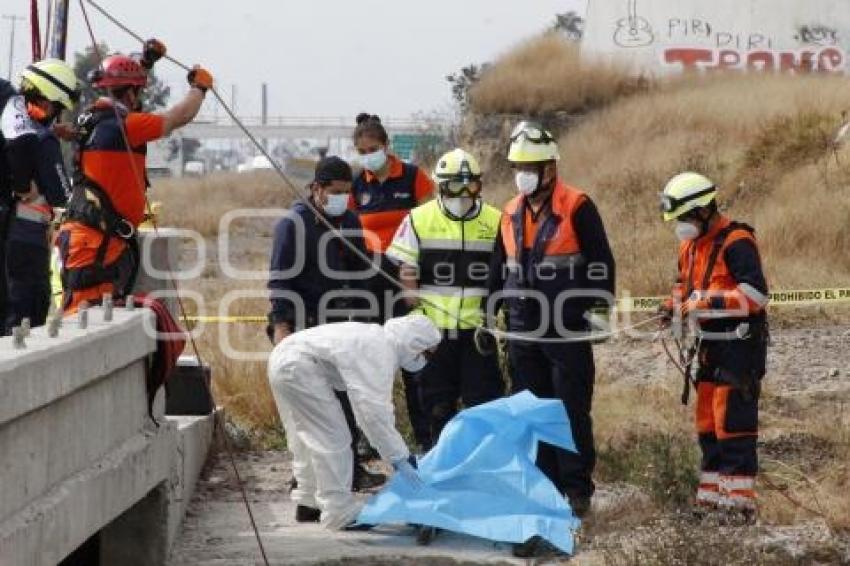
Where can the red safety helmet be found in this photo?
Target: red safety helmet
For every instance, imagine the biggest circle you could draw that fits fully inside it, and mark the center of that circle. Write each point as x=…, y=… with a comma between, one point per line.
x=118, y=71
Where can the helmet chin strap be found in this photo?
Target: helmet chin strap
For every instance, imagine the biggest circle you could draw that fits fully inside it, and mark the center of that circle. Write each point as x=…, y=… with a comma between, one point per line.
x=541, y=188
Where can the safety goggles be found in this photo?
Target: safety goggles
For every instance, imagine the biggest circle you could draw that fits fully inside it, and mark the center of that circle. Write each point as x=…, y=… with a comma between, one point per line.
x=669, y=204
x=460, y=187
x=532, y=133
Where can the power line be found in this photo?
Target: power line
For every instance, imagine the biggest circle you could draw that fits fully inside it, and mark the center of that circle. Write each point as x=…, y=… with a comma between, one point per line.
x=14, y=20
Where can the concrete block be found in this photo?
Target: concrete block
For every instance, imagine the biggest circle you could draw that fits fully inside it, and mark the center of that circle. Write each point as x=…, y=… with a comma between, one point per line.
x=194, y=438
x=161, y=252
x=59, y=521
x=45, y=446
x=52, y=368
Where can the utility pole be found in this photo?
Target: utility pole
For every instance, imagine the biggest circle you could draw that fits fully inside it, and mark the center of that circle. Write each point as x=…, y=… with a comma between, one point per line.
x=14, y=21
x=59, y=31
x=264, y=115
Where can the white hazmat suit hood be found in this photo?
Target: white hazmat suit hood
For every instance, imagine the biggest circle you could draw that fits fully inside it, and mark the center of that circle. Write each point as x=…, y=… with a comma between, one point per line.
x=411, y=336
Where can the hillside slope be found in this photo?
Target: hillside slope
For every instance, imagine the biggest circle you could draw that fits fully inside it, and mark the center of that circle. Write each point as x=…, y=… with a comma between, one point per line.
x=766, y=140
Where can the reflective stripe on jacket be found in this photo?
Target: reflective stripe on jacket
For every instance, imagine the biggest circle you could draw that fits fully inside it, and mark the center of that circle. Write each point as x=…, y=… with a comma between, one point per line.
x=454, y=263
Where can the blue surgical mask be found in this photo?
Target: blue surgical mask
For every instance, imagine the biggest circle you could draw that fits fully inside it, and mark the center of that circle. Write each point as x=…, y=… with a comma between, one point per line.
x=336, y=205
x=374, y=161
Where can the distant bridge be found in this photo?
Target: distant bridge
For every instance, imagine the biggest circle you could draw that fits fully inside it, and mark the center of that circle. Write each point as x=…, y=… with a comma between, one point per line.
x=296, y=127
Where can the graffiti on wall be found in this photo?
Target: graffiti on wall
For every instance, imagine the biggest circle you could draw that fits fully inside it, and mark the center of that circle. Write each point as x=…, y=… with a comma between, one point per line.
x=826, y=60
x=634, y=30
x=698, y=43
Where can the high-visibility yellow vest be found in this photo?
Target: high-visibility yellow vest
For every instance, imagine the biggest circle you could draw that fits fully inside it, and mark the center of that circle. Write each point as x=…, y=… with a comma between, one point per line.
x=454, y=263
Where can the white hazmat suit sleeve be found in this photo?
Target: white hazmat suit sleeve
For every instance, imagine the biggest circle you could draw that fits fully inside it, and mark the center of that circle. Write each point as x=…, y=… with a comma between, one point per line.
x=368, y=376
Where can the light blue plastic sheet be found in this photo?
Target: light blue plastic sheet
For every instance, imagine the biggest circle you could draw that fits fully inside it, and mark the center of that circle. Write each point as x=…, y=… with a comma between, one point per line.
x=481, y=480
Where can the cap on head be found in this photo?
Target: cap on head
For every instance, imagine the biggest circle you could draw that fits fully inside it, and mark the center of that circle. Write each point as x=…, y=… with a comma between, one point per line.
x=331, y=169
x=686, y=192
x=530, y=143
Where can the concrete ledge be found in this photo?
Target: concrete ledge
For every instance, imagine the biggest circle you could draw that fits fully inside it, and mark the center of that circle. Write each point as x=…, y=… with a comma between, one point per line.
x=43, y=447
x=194, y=437
x=52, y=368
x=61, y=519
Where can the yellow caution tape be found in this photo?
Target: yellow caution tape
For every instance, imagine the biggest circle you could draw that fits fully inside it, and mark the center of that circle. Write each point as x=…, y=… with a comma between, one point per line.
x=777, y=299
x=631, y=304
x=227, y=319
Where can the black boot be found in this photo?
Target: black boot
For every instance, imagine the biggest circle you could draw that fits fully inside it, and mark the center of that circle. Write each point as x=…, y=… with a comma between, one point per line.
x=304, y=514
x=364, y=479
x=580, y=505
x=536, y=547
x=425, y=535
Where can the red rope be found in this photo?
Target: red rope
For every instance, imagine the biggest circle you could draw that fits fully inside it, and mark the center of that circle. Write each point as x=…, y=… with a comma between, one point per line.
x=35, y=26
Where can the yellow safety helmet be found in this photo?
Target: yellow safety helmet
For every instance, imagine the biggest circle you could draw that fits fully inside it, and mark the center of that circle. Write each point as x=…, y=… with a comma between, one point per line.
x=54, y=80
x=530, y=143
x=455, y=171
x=686, y=192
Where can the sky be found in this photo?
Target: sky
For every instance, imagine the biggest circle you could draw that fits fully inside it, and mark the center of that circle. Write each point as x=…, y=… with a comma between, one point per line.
x=319, y=57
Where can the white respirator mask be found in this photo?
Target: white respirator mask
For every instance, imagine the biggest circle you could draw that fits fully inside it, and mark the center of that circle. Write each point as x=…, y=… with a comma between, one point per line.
x=686, y=231
x=415, y=365
x=527, y=182
x=458, y=207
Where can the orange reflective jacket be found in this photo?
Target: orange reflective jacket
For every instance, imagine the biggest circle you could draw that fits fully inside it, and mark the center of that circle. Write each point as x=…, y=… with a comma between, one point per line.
x=545, y=271
x=703, y=270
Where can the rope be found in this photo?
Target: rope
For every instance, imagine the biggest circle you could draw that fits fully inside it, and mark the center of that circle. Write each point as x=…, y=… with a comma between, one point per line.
x=172, y=280
x=591, y=337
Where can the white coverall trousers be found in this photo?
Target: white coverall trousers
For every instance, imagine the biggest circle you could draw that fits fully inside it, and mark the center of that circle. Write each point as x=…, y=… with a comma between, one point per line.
x=318, y=437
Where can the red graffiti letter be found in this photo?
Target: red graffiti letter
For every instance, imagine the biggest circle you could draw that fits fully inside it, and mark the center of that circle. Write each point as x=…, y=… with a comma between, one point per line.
x=831, y=60
x=690, y=59
x=790, y=62
x=761, y=61
x=728, y=59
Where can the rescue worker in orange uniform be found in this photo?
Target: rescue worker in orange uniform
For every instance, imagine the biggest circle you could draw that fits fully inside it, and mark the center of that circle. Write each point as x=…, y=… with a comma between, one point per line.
x=554, y=264
x=97, y=239
x=722, y=287
x=383, y=194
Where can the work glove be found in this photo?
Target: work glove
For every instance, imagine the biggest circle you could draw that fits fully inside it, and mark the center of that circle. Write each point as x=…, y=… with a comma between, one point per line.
x=406, y=468
x=694, y=304
x=153, y=51
x=200, y=78
x=666, y=310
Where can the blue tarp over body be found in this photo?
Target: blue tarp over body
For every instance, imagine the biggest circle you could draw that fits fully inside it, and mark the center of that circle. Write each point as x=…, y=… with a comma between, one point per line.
x=480, y=479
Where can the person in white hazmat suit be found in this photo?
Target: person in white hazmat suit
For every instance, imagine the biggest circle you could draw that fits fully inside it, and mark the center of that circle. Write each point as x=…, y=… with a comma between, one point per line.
x=304, y=371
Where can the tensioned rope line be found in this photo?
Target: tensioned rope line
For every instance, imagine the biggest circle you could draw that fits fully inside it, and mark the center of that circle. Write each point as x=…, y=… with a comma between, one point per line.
x=172, y=280
x=514, y=336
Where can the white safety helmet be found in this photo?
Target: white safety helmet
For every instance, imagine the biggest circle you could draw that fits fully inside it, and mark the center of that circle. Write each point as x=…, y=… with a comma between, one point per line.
x=54, y=79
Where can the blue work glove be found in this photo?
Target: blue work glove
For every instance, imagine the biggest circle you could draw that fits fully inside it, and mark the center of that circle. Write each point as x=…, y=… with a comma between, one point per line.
x=406, y=467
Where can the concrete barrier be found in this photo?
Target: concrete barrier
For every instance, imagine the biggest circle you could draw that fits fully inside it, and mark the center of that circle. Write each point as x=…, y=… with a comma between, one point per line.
x=80, y=454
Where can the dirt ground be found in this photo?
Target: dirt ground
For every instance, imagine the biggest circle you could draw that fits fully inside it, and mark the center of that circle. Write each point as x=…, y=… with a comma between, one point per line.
x=808, y=380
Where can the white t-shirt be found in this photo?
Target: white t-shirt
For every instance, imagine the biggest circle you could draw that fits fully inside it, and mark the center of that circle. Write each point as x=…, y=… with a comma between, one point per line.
x=15, y=121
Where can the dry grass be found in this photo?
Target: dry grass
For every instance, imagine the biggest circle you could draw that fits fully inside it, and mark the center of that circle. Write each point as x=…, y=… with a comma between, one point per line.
x=199, y=203
x=546, y=74
x=765, y=140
